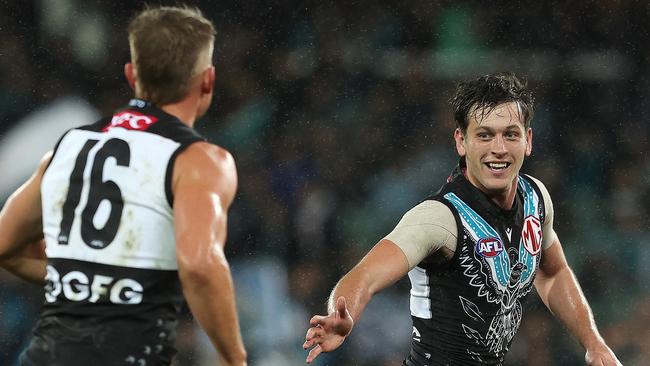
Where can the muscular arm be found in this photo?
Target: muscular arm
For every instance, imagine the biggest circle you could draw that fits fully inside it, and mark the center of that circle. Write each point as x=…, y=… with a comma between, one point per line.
x=380, y=268
x=22, y=251
x=559, y=290
x=427, y=228
x=29, y=263
x=204, y=185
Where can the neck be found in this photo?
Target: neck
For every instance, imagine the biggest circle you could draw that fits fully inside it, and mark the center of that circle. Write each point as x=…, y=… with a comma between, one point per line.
x=505, y=200
x=185, y=110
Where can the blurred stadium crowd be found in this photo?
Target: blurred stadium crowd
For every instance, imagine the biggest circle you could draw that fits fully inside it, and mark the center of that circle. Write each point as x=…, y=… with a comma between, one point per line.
x=337, y=114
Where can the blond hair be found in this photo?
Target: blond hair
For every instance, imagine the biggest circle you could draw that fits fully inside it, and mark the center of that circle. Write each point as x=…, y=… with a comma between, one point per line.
x=168, y=46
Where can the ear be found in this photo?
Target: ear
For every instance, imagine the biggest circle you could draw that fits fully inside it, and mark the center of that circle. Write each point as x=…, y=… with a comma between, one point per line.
x=207, y=80
x=129, y=73
x=529, y=141
x=460, y=142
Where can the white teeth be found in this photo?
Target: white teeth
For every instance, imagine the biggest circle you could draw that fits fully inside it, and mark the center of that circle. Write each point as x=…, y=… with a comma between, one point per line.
x=498, y=165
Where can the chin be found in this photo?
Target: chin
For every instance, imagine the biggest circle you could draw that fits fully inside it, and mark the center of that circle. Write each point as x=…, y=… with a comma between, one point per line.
x=201, y=112
x=496, y=187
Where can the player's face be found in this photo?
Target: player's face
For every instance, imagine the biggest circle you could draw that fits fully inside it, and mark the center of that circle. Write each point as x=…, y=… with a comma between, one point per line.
x=494, y=147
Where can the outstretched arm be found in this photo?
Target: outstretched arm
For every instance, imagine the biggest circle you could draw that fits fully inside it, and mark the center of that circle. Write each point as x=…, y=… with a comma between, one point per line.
x=21, y=229
x=382, y=266
x=205, y=180
x=560, y=291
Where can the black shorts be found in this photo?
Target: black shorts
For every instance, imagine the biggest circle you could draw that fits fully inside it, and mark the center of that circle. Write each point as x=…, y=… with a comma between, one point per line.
x=58, y=342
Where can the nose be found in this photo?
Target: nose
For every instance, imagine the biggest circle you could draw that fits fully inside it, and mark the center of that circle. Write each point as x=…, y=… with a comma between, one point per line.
x=499, y=145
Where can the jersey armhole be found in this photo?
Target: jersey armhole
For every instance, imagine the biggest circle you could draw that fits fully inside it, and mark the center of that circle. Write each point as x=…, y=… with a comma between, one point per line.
x=56, y=148
x=169, y=174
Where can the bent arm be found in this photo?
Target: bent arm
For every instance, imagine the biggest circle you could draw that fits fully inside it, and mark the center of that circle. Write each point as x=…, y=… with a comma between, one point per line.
x=559, y=290
x=21, y=229
x=28, y=264
x=205, y=181
x=381, y=267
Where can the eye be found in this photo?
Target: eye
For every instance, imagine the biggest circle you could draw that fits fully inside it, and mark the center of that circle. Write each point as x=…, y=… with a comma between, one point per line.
x=512, y=135
x=483, y=136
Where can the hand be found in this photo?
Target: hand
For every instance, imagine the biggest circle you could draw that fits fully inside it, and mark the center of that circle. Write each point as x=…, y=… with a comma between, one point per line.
x=601, y=356
x=327, y=333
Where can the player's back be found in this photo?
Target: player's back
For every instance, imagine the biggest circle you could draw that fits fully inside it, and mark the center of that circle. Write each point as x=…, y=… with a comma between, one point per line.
x=113, y=290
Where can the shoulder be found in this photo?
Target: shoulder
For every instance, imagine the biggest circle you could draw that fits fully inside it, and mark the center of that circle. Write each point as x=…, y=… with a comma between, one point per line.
x=430, y=213
x=542, y=188
x=203, y=157
x=538, y=182
x=432, y=208
x=45, y=162
x=207, y=152
x=423, y=230
x=203, y=163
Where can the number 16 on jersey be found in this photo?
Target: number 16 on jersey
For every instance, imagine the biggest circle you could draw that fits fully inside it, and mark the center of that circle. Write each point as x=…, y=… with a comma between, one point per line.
x=99, y=191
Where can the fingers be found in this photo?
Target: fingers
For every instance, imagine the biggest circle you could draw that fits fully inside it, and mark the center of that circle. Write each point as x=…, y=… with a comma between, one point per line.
x=309, y=343
x=312, y=335
x=317, y=320
x=341, y=307
x=314, y=353
x=313, y=338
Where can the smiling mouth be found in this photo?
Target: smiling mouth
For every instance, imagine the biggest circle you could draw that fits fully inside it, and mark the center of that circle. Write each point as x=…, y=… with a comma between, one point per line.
x=497, y=166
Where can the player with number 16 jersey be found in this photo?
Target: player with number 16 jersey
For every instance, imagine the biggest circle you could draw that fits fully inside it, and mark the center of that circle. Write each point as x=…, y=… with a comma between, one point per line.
x=127, y=217
x=108, y=225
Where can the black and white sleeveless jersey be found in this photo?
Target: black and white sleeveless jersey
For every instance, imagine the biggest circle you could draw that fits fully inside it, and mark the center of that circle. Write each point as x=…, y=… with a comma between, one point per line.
x=467, y=311
x=108, y=223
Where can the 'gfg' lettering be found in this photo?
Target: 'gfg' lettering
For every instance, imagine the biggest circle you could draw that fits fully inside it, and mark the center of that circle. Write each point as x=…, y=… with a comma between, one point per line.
x=76, y=286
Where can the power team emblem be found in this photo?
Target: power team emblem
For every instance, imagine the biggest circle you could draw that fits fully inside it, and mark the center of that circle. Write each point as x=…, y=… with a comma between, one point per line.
x=531, y=235
x=489, y=247
x=131, y=120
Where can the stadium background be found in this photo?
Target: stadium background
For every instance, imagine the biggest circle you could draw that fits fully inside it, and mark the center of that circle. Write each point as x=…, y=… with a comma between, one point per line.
x=337, y=115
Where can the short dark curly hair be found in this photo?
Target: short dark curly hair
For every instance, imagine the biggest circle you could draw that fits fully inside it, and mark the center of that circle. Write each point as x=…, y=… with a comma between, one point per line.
x=486, y=92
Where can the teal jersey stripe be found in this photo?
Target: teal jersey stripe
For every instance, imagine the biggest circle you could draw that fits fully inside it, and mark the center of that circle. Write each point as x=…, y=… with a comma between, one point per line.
x=482, y=230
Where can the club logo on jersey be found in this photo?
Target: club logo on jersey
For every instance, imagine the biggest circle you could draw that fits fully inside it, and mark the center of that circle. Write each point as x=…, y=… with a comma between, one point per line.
x=489, y=247
x=131, y=121
x=532, y=235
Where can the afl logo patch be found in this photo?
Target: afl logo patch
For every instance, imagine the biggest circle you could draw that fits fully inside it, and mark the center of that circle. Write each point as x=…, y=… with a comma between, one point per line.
x=489, y=247
x=532, y=235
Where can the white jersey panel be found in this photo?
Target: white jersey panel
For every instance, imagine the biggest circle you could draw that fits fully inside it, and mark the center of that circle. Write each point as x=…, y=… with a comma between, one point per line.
x=145, y=232
x=420, y=290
